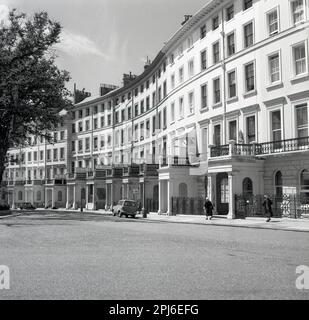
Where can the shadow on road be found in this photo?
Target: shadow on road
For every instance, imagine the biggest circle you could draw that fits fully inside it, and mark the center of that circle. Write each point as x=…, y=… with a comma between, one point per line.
x=51, y=216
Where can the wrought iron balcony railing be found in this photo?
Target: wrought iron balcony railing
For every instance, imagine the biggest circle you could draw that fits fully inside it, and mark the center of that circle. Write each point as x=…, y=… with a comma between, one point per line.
x=260, y=149
x=176, y=161
x=289, y=145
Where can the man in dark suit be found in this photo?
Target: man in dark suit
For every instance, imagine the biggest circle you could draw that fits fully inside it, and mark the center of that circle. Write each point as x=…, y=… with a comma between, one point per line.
x=267, y=204
x=208, y=206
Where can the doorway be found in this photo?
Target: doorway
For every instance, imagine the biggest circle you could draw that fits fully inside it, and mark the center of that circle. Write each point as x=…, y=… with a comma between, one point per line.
x=222, y=194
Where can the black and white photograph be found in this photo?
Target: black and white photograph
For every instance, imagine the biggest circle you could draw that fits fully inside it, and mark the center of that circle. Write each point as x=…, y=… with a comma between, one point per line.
x=154, y=151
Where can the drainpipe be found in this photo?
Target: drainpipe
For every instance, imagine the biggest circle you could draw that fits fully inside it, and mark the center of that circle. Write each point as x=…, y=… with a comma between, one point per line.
x=113, y=131
x=45, y=171
x=157, y=106
x=91, y=144
x=224, y=78
x=132, y=129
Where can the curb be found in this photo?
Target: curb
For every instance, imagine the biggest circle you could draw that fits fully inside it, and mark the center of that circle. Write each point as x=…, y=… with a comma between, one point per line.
x=290, y=229
x=11, y=215
x=149, y=219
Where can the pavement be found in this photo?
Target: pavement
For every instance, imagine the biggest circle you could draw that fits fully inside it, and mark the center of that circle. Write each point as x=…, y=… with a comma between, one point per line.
x=285, y=224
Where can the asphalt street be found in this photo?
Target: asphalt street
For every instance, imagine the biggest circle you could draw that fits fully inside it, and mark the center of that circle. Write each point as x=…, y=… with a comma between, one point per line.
x=61, y=255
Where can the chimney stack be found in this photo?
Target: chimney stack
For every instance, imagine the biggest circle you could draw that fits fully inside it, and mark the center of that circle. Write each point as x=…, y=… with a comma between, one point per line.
x=127, y=78
x=187, y=18
x=147, y=63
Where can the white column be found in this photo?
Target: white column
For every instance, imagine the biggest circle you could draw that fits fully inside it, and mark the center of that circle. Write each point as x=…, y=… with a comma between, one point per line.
x=112, y=195
x=231, y=214
x=46, y=201
x=94, y=197
x=87, y=197
x=169, y=197
x=74, y=197
x=53, y=197
x=13, y=199
x=209, y=186
x=33, y=195
x=160, y=197
x=68, y=198
x=212, y=187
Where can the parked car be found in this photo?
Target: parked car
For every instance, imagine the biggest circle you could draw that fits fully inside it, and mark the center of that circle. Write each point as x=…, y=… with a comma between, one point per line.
x=4, y=209
x=26, y=206
x=125, y=208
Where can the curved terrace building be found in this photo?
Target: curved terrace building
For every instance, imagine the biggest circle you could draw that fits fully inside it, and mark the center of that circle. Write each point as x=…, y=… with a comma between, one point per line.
x=221, y=111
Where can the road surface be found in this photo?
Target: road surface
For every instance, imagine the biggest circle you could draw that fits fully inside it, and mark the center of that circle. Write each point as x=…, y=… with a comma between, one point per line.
x=60, y=255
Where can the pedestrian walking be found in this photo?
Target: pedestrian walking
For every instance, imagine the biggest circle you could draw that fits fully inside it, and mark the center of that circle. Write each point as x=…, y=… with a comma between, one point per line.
x=267, y=204
x=208, y=207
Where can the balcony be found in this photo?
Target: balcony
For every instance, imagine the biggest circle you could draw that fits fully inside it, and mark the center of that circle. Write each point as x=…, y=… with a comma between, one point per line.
x=147, y=169
x=4, y=183
x=20, y=182
x=176, y=161
x=80, y=174
x=96, y=174
x=38, y=182
x=115, y=171
x=260, y=149
x=90, y=174
x=290, y=145
x=131, y=171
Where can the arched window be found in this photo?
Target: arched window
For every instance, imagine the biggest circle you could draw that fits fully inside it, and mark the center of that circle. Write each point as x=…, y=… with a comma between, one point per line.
x=59, y=196
x=278, y=184
x=247, y=187
x=183, y=190
x=304, y=186
x=38, y=196
x=20, y=195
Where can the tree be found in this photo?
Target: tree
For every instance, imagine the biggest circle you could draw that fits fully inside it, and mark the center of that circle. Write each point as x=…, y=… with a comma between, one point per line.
x=32, y=88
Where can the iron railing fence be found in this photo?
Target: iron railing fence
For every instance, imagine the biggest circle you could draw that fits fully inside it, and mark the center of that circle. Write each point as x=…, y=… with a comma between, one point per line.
x=187, y=205
x=151, y=205
x=284, y=206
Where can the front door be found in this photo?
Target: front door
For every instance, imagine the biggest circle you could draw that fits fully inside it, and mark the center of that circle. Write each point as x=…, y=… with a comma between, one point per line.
x=222, y=204
x=83, y=197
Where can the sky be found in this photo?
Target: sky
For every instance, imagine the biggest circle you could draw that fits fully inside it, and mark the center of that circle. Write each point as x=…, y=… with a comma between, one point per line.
x=102, y=39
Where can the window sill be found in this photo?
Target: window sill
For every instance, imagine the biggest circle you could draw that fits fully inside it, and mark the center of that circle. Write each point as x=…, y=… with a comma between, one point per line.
x=204, y=110
x=180, y=56
x=217, y=105
x=191, y=114
x=275, y=85
x=233, y=99
x=301, y=77
x=232, y=19
x=246, y=10
x=191, y=48
x=299, y=23
x=171, y=123
x=250, y=94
